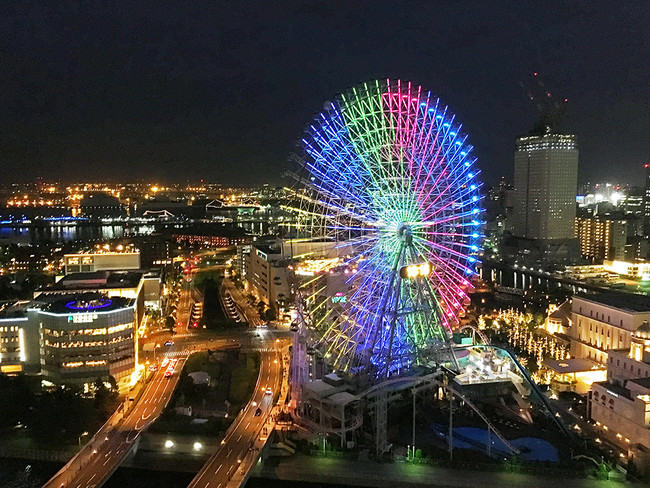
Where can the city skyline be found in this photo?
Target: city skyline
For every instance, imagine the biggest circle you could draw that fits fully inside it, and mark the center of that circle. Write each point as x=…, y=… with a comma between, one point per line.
x=324, y=242
x=224, y=94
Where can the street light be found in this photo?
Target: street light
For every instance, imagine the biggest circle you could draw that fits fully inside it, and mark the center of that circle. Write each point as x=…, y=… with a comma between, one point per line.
x=83, y=434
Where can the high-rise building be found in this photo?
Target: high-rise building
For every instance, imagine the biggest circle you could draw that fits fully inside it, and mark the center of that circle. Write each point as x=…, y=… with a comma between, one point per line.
x=601, y=238
x=546, y=179
x=646, y=212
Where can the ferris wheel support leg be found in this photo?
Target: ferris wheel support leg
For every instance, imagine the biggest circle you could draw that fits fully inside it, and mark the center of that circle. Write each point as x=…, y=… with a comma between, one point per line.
x=382, y=308
x=381, y=414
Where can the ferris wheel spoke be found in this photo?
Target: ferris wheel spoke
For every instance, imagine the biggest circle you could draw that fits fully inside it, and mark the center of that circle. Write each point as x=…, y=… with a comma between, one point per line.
x=390, y=183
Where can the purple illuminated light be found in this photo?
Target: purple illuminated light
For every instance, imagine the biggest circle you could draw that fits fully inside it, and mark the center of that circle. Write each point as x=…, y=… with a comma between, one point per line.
x=89, y=305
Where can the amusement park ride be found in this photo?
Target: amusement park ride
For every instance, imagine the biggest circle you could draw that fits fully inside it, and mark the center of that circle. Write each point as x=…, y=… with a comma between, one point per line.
x=389, y=189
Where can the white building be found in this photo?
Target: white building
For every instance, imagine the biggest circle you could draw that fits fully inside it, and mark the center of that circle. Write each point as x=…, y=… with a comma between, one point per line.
x=19, y=339
x=606, y=321
x=101, y=261
x=266, y=274
x=620, y=406
x=546, y=179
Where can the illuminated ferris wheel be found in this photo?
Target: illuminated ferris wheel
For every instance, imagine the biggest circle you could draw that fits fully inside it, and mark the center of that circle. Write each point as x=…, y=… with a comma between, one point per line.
x=387, y=176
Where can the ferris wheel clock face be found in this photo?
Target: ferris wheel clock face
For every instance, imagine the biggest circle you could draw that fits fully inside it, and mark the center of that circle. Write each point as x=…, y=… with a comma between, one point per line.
x=387, y=174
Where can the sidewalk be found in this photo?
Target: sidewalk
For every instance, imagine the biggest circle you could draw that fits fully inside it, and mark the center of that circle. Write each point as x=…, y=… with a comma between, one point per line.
x=365, y=473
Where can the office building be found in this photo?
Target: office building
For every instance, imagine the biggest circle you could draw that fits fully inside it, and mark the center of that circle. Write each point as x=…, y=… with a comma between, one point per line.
x=143, y=287
x=19, y=339
x=546, y=179
x=601, y=238
x=646, y=205
x=266, y=273
x=86, y=336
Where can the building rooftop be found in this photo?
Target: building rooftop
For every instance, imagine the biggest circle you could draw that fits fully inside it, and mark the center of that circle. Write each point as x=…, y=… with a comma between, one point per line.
x=567, y=366
x=342, y=398
x=623, y=301
x=615, y=388
x=83, y=303
x=643, y=382
x=562, y=313
x=320, y=389
x=97, y=279
x=14, y=309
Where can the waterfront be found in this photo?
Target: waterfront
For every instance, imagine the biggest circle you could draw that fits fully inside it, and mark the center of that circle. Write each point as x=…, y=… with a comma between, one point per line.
x=16, y=473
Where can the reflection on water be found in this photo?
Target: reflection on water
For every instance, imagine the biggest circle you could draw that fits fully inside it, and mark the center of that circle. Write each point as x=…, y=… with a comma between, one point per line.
x=67, y=233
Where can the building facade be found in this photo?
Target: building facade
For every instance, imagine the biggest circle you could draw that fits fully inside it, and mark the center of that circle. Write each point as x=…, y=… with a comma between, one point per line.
x=267, y=274
x=601, y=238
x=19, y=339
x=620, y=406
x=101, y=261
x=646, y=203
x=605, y=321
x=545, y=186
x=85, y=337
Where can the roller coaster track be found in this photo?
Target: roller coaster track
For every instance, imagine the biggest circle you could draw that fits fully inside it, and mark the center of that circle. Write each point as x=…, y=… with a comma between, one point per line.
x=431, y=380
x=563, y=428
x=539, y=393
x=478, y=331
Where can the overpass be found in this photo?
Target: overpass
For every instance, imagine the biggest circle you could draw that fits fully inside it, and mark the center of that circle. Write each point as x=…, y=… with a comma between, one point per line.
x=240, y=448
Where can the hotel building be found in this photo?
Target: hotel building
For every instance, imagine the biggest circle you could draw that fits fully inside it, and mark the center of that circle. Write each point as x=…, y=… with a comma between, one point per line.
x=605, y=321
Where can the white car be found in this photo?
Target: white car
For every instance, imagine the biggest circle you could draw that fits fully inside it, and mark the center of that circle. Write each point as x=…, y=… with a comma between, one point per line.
x=269, y=391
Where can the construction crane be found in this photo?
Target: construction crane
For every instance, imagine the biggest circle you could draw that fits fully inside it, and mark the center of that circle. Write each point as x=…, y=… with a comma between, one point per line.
x=551, y=109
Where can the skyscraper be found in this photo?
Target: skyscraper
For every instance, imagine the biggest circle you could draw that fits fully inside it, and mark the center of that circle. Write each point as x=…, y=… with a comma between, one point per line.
x=546, y=179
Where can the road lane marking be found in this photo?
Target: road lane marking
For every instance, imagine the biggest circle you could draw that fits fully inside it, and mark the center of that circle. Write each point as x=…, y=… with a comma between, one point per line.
x=218, y=468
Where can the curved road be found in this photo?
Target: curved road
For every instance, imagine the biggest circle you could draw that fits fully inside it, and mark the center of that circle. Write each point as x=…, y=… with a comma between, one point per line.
x=243, y=432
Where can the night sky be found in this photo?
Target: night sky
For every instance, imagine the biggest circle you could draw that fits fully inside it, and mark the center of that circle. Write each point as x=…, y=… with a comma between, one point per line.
x=221, y=90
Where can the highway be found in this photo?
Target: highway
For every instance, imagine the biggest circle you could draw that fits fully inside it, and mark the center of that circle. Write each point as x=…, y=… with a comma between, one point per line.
x=106, y=451
x=104, y=454
x=223, y=464
x=100, y=457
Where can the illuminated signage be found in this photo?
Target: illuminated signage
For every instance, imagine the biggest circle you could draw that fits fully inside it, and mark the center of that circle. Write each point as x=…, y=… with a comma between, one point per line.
x=415, y=270
x=82, y=318
x=262, y=255
x=339, y=298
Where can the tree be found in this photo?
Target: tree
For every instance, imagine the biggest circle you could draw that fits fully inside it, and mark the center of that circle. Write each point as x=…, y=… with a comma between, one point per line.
x=269, y=314
x=170, y=322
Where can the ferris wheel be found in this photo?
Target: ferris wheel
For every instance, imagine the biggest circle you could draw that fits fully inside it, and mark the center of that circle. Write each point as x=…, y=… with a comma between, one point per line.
x=387, y=176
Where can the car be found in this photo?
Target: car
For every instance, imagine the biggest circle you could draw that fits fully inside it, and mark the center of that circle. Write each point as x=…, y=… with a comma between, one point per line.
x=258, y=412
x=169, y=343
x=168, y=374
x=268, y=391
x=153, y=367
